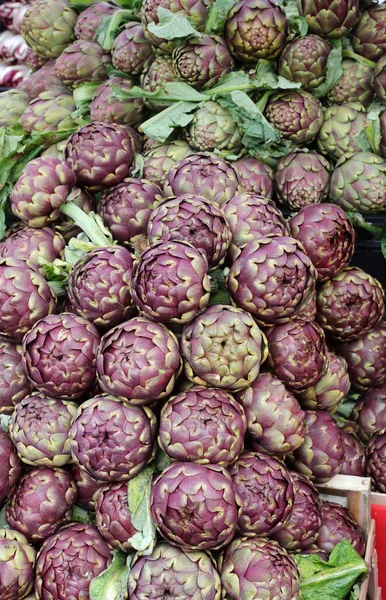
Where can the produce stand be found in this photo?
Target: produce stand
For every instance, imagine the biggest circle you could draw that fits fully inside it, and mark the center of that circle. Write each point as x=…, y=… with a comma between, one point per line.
x=378, y=513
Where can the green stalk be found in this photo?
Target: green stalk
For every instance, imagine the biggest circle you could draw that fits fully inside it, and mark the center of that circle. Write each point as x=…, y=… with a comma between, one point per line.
x=358, y=58
x=86, y=223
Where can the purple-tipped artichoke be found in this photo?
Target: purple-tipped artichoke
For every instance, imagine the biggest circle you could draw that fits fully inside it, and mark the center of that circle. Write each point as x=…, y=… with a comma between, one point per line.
x=59, y=355
x=298, y=115
x=14, y=385
x=195, y=220
x=350, y=304
x=25, y=298
x=329, y=18
x=69, y=560
x=327, y=236
x=39, y=429
x=265, y=492
x=366, y=358
x=202, y=61
x=304, y=60
x=338, y=524
x=82, y=62
x=41, y=502
x=213, y=127
x=273, y=279
x=170, y=282
x=90, y=18
x=43, y=186
x=202, y=425
x=379, y=79
x=320, y=456
x=342, y=124
x=160, y=71
x=10, y=467
x=275, y=420
x=86, y=486
x=113, y=517
x=376, y=460
x=105, y=108
x=99, y=286
x=48, y=27
x=112, y=439
x=297, y=353
x=131, y=52
x=161, y=158
x=49, y=112
x=369, y=36
x=31, y=244
x=194, y=506
x=138, y=360
x=169, y=570
x=259, y=568
x=354, y=460
x=354, y=85
x=223, y=347
x=100, y=154
x=302, y=527
x=204, y=174
x=42, y=80
x=17, y=561
x=370, y=412
x=256, y=29
x=301, y=178
x=255, y=176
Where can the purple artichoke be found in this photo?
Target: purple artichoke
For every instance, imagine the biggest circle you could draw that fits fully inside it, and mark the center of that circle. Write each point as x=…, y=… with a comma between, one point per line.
x=350, y=304
x=69, y=560
x=370, y=412
x=113, y=517
x=48, y=27
x=82, y=62
x=14, y=385
x=59, y=355
x=41, y=80
x=131, y=52
x=327, y=236
x=339, y=133
x=86, y=486
x=338, y=524
x=213, y=128
x=51, y=111
x=204, y=174
x=31, y=244
x=304, y=60
x=202, y=425
x=112, y=439
x=376, y=460
x=302, y=527
x=194, y=506
x=320, y=456
x=275, y=420
x=192, y=219
x=354, y=460
x=329, y=18
x=255, y=176
x=161, y=158
x=202, y=61
x=41, y=502
x=369, y=36
x=138, y=360
x=355, y=84
x=10, y=467
x=41, y=189
x=170, y=282
x=105, y=108
x=90, y=18
x=297, y=115
x=17, y=561
x=379, y=79
x=301, y=178
x=223, y=347
x=160, y=72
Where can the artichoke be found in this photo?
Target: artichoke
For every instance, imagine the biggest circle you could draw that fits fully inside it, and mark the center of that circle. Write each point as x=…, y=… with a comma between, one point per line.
x=13, y=103
x=354, y=459
x=379, y=78
x=255, y=176
x=41, y=502
x=170, y=282
x=202, y=61
x=138, y=360
x=43, y=186
x=274, y=418
x=194, y=506
x=223, y=347
x=256, y=29
x=113, y=517
x=161, y=158
x=59, y=355
x=82, y=62
x=354, y=85
x=17, y=561
x=350, y=304
x=10, y=467
x=105, y=108
x=304, y=60
x=329, y=18
x=213, y=127
x=86, y=486
x=160, y=71
x=112, y=439
x=39, y=429
x=369, y=36
x=296, y=114
x=338, y=524
x=169, y=570
x=14, y=385
x=31, y=245
x=42, y=80
x=69, y=560
x=90, y=18
x=370, y=412
x=301, y=178
x=48, y=27
x=202, y=425
x=342, y=125
x=376, y=460
x=131, y=52
x=49, y=111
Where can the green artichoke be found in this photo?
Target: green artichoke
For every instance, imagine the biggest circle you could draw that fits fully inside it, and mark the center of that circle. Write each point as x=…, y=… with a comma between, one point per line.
x=297, y=115
x=13, y=103
x=329, y=18
x=304, y=60
x=49, y=111
x=82, y=62
x=161, y=158
x=131, y=52
x=342, y=124
x=48, y=27
x=202, y=61
x=17, y=561
x=213, y=128
x=354, y=85
x=301, y=178
x=369, y=36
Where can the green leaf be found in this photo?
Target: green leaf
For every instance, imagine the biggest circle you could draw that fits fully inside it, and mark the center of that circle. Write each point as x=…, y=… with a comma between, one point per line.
x=266, y=78
x=5, y=421
x=110, y=25
x=161, y=460
x=358, y=220
x=112, y=583
x=298, y=25
x=373, y=127
x=3, y=520
x=218, y=15
x=138, y=497
x=171, y=26
x=170, y=92
x=333, y=70
x=162, y=125
x=80, y=515
x=82, y=98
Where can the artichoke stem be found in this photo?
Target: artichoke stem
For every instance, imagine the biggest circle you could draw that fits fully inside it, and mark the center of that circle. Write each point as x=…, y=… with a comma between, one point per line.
x=358, y=58
x=86, y=223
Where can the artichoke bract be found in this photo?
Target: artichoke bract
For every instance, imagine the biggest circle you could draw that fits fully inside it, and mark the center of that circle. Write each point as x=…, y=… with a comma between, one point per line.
x=82, y=62
x=170, y=282
x=43, y=186
x=350, y=304
x=10, y=467
x=256, y=29
x=171, y=570
x=213, y=127
x=223, y=347
x=329, y=18
x=342, y=124
x=192, y=219
x=204, y=174
x=17, y=561
x=194, y=506
x=265, y=492
x=59, y=355
x=255, y=176
x=105, y=108
x=297, y=353
x=202, y=425
x=370, y=412
x=376, y=460
x=113, y=517
x=14, y=384
x=301, y=178
x=76, y=545
x=131, y=52
x=338, y=524
x=86, y=486
x=297, y=115
x=354, y=460
x=41, y=502
x=161, y=158
x=259, y=568
x=302, y=527
x=320, y=456
x=90, y=18
x=49, y=111
x=274, y=417
x=138, y=360
x=354, y=85
x=369, y=36
x=39, y=429
x=327, y=236
x=31, y=244
x=304, y=60
x=48, y=27
x=112, y=439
